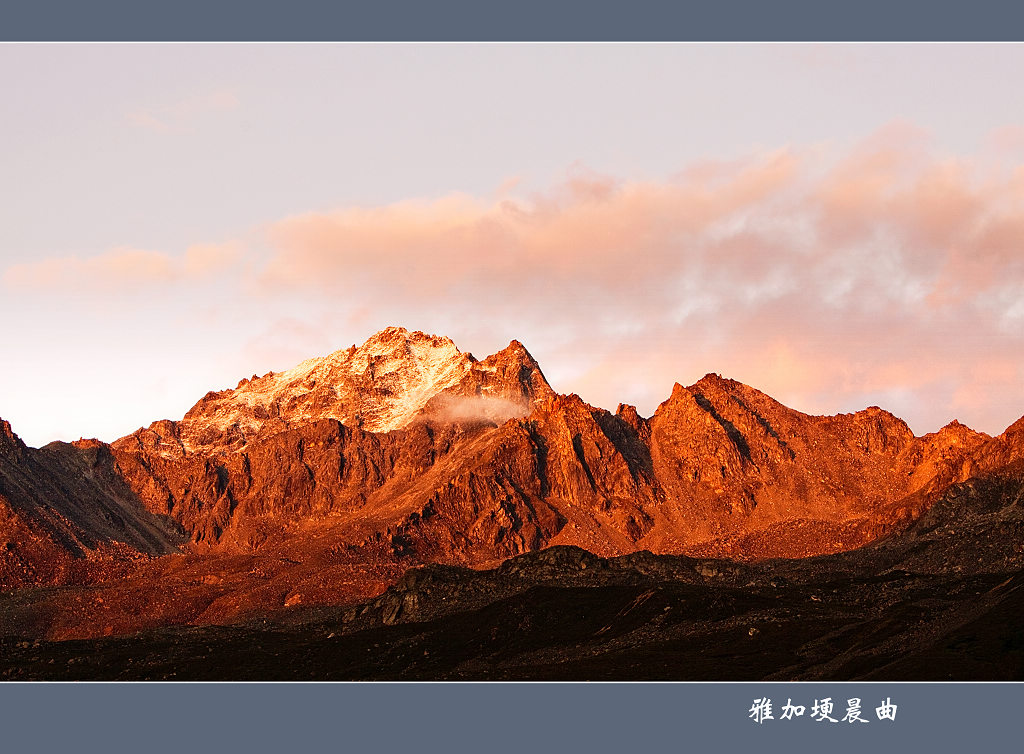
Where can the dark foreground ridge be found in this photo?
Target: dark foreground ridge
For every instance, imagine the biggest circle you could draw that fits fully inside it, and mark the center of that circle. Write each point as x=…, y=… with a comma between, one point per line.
x=940, y=601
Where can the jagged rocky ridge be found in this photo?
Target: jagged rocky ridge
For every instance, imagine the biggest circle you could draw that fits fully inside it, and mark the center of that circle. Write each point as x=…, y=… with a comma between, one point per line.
x=323, y=483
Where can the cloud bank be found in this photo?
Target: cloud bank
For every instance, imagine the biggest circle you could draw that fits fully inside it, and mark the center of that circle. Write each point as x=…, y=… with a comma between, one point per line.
x=884, y=274
x=832, y=279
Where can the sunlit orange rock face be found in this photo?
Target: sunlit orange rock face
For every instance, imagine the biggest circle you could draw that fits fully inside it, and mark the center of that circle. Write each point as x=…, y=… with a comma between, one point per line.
x=322, y=483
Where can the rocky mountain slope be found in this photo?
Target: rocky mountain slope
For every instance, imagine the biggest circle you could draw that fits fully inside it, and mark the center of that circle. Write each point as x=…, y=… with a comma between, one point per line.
x=65, y=512
x=939, y=601
x=322, y=484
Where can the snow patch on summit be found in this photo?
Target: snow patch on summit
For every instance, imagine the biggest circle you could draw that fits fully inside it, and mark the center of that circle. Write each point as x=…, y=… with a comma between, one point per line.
x=379, y=386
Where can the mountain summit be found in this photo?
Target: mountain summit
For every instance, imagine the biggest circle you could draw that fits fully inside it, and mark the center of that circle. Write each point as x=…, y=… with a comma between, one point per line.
x=383, y=385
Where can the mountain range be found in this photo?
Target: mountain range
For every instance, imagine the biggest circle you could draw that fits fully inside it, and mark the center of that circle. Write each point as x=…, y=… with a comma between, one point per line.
x=322, y=485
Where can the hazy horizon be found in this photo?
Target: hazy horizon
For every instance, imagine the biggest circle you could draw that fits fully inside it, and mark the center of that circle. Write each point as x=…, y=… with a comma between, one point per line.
x=838, y=226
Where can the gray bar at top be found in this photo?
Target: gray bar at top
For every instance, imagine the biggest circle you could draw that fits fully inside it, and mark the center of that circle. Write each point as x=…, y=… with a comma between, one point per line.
x=518, y=20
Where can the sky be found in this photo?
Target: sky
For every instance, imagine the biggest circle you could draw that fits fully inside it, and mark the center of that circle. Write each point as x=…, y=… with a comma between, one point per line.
x=837, y=225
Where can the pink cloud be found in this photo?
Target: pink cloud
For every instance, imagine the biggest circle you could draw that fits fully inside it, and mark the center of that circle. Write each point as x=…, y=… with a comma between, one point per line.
x=182, y=115
x=203, y=260
x=123, y=269
x=821, y=276
x=112, y=269
x=1007, y=139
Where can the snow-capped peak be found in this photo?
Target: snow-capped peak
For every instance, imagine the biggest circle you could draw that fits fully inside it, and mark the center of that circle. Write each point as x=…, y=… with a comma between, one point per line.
x=382, y=385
